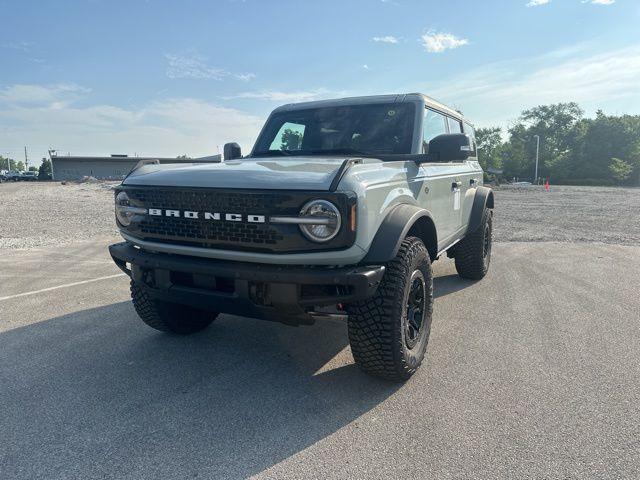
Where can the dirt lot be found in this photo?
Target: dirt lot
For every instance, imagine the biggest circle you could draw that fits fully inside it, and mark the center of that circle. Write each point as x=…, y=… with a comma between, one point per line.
x=48, y=213
x=41, y=214
x=568, y=214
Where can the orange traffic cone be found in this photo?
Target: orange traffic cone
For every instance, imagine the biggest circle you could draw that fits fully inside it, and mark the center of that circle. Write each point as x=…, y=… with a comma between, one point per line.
x=546, y=185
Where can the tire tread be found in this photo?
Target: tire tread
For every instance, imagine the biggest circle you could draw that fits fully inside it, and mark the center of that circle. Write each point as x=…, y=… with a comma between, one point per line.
x=468, y=255
x=376, y=343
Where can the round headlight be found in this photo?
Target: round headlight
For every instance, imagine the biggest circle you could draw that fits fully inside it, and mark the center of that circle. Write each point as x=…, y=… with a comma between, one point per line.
x=122, y=212
x=321, y=220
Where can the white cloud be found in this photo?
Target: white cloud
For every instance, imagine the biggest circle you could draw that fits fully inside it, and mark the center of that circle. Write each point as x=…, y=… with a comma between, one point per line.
x=194, y=65
x=163, y=128
x=287, y=97
x=385, y=39
x=537, y=3
x=366, y=67
x=498, y=92
x=28, y=93
x=600, y=2
x=245, y=77
x=437, y=42
x=20, y=45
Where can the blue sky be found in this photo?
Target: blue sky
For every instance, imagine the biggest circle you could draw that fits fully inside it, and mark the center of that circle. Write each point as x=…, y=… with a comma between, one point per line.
x=167, y=78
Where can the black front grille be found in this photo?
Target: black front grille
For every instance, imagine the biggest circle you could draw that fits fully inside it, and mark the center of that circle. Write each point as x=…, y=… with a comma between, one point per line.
x=236, y=235
x=210, y=233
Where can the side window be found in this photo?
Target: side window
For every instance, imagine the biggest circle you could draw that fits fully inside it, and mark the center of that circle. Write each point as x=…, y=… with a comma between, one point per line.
x=433, y=125
x=289, y=137
x=468, y=129
x=454, y=125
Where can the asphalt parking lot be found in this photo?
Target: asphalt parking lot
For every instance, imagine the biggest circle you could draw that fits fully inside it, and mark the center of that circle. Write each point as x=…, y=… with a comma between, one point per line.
x=533, y=372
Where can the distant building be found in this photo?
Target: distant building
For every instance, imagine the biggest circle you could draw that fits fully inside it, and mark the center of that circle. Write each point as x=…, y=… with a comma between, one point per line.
x=115, y=167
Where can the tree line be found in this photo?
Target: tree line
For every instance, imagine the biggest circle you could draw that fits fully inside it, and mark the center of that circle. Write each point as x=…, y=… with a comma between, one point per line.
x=574, y=150
x=9, y=164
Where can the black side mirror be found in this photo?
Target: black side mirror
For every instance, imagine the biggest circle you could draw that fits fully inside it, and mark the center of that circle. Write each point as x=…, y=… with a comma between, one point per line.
x=231, y=151
x=450, y=147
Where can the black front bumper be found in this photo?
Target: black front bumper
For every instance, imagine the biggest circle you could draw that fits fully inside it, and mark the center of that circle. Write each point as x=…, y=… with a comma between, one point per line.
x=287, y=294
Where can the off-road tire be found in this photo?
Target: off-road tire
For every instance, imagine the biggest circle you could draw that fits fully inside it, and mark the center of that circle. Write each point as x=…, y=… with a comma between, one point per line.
x=473, y=253
x=167, y=316
x=378, y=325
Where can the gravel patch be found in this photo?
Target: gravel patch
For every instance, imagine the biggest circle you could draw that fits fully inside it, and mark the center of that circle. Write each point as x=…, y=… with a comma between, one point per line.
x=47, y=213
x=567, y=214
x=42, y=214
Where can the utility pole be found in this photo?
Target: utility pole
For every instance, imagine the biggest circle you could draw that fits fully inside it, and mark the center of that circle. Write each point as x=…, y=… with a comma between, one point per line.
x=26, y=160
x=535, y=178
x=52, y=153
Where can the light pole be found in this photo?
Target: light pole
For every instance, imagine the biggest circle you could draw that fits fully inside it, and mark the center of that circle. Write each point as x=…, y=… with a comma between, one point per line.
x=535, y=178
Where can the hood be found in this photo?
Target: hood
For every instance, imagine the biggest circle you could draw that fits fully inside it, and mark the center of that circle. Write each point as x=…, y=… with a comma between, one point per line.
x=291, y=173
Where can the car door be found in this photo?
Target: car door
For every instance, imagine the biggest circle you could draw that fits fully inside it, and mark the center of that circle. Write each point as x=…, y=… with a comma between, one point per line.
x=462, y=182
x=474, y=176
x=442, y=183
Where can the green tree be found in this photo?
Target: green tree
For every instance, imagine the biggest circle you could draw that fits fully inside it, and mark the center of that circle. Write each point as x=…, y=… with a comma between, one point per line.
x=290, y=140
x=7, y=163
x=19, y=166
x=620, y=170
x=490, y=147
x=517, y=161
x=604, y=150
x=608, y=137
x=557, y=127
x=45, y=168
x=514, y=160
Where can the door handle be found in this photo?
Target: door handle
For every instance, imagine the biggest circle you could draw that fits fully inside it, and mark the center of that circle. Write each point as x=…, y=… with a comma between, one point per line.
x=456, y=185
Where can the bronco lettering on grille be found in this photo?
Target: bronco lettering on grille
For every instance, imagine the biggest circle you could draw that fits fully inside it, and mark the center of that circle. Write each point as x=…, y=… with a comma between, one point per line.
x=230, y=217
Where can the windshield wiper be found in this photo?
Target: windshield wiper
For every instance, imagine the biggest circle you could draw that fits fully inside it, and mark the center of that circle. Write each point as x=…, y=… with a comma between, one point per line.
x=318, y=151
x=273, y=153
x=339, y=151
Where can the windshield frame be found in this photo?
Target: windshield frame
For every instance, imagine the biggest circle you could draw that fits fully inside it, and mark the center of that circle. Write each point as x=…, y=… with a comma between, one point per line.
x=415, y=140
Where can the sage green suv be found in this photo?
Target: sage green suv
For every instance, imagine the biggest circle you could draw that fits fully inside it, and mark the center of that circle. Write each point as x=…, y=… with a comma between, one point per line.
x=338, y=211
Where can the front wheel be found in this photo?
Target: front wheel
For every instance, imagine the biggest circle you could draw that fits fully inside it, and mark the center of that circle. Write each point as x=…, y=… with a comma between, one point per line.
x=389, y=332
x=168, y=316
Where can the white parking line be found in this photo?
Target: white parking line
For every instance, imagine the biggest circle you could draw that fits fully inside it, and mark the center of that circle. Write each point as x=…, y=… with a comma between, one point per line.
x=61, y=286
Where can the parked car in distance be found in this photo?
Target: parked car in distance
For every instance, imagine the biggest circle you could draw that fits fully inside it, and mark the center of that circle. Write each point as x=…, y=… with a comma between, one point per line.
x=13, y=176
x=30, y=176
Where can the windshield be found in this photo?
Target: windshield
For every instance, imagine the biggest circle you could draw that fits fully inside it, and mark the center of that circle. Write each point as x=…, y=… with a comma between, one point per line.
x=373, y=129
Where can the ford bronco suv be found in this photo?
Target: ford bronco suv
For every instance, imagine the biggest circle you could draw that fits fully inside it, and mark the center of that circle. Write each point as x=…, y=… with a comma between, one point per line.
x=338, y=211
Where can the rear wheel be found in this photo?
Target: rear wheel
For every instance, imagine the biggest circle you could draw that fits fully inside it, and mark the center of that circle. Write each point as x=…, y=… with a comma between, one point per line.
x=168, y=316
x=389, y=332
x=473, y=253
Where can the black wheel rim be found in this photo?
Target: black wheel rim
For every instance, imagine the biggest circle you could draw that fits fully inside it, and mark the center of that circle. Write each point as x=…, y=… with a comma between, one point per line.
x=415, y=309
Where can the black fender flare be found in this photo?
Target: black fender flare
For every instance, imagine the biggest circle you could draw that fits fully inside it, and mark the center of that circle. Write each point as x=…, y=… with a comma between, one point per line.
x=394, y=229
x=481, y=200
